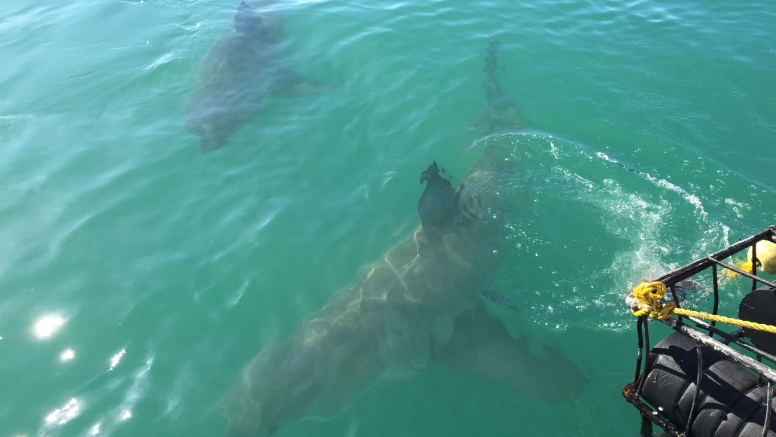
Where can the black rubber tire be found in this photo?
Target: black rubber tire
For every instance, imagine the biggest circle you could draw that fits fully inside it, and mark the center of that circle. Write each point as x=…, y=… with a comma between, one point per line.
x=724, y=383
x=730, y=403
x=743, y=410
x=671, y=369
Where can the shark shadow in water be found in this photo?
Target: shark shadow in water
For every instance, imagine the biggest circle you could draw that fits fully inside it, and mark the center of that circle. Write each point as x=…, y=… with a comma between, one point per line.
x=238, y=72
x=420, y=303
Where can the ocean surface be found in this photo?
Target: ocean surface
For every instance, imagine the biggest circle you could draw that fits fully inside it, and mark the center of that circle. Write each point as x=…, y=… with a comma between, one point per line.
x=138, y=274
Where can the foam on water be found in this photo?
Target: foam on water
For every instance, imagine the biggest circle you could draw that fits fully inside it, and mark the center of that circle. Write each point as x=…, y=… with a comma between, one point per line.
x=595, y=231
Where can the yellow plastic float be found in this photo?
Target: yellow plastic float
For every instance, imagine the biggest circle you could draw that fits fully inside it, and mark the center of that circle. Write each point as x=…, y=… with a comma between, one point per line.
x=766, y=255
x=766, y=259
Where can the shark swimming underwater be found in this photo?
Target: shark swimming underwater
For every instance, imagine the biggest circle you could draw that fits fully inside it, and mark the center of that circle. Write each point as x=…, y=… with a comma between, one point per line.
x=241, y=69
x=421, y=303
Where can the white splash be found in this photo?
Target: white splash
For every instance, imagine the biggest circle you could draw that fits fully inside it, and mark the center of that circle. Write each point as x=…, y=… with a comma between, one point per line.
x=554, y=150
x=603, y=156
x=662, y=183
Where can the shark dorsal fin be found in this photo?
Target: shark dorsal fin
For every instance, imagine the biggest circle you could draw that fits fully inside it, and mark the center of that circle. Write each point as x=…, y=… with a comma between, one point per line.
x=437, y=206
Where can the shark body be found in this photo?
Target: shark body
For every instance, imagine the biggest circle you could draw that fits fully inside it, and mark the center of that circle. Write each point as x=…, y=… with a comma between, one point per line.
x=419, y=304
x=243, y=68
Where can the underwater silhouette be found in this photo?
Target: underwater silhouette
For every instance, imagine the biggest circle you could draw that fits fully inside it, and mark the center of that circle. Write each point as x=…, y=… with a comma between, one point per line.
x=241, y=69
x=499, y=113
x=422, y=302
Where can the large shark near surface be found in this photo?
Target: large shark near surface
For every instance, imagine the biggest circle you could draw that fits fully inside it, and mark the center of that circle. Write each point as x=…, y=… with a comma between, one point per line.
x=241, y=69
x=421, y=303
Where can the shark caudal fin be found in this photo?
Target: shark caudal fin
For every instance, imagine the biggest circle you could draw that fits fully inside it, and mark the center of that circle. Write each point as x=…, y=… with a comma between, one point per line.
x=499, y=113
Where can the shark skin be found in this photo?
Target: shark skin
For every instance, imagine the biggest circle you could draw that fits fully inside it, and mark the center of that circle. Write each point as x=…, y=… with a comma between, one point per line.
x=241, y=69
x=420, y=303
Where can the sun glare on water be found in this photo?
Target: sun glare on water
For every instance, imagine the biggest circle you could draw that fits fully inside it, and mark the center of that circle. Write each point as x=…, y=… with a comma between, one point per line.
x=47, y=326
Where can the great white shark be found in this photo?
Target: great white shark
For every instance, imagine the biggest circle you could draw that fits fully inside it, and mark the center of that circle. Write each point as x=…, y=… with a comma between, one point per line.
x=421, y=303
x=241, y=69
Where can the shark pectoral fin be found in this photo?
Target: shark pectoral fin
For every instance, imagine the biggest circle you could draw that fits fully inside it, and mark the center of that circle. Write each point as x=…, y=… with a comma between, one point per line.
x=500, y=299
x=480, y=344
x=292, y=84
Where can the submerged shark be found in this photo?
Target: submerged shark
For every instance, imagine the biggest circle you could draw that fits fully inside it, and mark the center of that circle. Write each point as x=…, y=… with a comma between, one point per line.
x=421, y=303
x=238, y=72
x=499, y=113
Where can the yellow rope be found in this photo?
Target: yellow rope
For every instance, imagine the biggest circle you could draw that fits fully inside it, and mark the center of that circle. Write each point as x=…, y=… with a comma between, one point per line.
x=648, y=295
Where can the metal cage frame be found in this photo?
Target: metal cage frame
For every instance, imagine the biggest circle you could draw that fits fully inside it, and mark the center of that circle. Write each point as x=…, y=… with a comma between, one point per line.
x=633, y=390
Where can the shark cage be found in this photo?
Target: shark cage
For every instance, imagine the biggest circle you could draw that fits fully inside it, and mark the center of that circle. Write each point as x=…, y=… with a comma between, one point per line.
x=703, y=381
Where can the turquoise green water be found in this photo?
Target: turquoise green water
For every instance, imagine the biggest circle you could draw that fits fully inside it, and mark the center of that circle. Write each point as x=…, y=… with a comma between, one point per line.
x=166, y=270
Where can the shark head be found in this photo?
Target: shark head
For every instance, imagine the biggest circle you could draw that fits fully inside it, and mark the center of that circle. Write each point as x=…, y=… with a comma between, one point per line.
x=247, y=20
x=259, y=24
